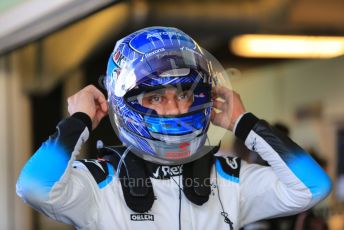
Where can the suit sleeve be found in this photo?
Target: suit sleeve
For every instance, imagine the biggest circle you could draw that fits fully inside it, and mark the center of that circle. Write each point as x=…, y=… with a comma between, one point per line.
x=54, y=183
x=293, y=183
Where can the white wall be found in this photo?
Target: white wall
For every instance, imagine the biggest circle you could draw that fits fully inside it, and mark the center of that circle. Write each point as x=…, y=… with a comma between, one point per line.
x=276, y=92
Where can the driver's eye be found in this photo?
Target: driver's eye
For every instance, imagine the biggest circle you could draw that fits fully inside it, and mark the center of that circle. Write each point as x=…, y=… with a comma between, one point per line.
x=186, y=95
x=155, y=98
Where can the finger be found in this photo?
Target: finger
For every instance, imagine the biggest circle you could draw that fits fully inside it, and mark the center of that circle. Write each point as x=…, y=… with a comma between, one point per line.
x=100, y=110
x=99, y=116
x=214, y=93
x=104, y=106
x=97, y=94
x=212, y=116
x=98, y=97
x=223, y=92
x=101, y=100
x=220, y=105
x=101, y=105
x=216, y=118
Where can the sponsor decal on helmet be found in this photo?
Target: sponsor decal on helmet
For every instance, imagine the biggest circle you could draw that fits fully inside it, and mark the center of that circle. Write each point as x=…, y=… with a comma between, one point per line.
x=154, y=52
x=166, y=33
x=119, y=58
x=184, y=152
x=157, y=38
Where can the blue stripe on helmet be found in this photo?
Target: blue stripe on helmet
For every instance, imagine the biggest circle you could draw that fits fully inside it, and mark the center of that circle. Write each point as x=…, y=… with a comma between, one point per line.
x=175, y=126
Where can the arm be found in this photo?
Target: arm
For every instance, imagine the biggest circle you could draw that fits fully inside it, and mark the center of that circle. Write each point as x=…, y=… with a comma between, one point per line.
x=51, y=181
x=293, y=183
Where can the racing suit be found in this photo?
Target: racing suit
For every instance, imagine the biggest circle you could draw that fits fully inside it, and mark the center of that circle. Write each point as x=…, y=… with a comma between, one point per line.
x=64, y=189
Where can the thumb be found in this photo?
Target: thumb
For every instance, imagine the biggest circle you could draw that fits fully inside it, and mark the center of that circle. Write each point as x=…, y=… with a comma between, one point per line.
x=104, y=106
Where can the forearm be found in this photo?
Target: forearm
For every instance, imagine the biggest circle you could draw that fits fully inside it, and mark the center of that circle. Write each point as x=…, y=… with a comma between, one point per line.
x=293, y=167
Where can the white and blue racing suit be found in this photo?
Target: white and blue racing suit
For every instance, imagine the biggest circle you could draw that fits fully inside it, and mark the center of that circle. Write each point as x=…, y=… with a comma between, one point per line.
x=56, y=184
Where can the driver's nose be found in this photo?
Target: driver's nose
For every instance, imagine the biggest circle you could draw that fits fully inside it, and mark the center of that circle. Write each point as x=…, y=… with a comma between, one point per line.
x=171, y=107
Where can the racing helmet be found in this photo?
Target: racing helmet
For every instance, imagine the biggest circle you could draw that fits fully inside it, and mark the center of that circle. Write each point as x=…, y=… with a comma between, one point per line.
x=159, y=83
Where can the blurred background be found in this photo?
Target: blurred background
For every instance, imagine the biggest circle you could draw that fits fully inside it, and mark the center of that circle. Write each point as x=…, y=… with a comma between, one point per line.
x=285, y=58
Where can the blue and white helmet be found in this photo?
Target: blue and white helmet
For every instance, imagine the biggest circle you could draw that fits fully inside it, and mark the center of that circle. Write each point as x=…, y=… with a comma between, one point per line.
x=158, y=58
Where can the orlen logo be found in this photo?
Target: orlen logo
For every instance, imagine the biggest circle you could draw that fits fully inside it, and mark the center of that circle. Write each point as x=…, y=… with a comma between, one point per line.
x=141, y=217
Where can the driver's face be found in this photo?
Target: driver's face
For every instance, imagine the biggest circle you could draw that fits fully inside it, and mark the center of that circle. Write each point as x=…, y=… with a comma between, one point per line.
x=168, y=101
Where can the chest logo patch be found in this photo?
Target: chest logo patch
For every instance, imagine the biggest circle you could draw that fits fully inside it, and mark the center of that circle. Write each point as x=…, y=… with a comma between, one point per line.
x=141, y=217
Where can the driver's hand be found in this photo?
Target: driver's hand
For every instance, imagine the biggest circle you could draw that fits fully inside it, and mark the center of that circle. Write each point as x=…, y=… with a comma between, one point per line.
x=91, y=101
x=229, y=107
